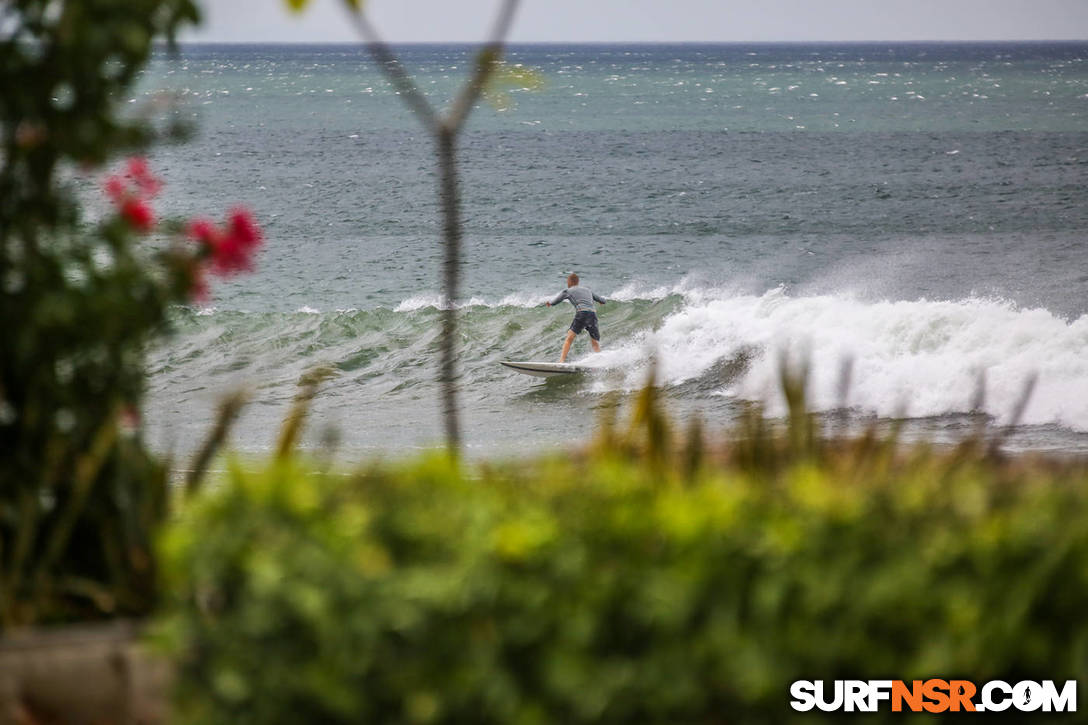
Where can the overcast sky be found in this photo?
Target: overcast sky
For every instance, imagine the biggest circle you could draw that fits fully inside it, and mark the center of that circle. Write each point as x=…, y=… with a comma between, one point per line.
x=656, y=20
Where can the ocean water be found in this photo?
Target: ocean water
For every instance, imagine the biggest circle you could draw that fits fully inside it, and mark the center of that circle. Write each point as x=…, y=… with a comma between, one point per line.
x=919, y=212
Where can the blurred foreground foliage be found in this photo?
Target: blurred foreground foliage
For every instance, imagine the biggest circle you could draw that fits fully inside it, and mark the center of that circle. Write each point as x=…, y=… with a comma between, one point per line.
x=80, y=496
x=650, y=578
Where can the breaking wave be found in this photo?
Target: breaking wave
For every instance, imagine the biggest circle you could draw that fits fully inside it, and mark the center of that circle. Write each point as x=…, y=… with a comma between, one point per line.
x=915, y=358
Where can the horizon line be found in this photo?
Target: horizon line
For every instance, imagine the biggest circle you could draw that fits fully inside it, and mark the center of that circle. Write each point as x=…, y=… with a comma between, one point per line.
x=931, y=41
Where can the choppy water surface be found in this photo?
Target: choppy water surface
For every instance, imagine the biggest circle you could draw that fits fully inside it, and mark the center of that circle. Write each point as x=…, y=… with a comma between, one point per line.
x=919, y=210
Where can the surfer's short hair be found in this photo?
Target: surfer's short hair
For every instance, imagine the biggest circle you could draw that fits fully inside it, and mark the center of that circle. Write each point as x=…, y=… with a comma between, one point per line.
x=572, y=279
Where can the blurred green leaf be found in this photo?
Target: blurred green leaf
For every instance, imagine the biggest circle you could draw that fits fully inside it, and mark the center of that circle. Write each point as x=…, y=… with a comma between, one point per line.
x=607, y=587
x=505, y=79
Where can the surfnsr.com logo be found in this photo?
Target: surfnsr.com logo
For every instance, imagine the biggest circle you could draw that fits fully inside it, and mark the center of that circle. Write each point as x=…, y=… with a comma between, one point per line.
x=933, y=696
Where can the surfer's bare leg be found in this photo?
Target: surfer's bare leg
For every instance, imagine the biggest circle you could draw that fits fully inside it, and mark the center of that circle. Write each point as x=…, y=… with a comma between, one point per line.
x=566, y=345
x=596, y=345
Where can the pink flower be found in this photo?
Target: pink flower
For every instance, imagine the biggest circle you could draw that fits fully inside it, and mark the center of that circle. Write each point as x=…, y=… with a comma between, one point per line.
x=131, y=191
x=204, y=231
x=244, y=228
x=147, y=183
x=229, y=258
x=234, y=252
x=138, y=214
x=224, y=250
x=231, y=248
x=137, y=167
x=115, y=188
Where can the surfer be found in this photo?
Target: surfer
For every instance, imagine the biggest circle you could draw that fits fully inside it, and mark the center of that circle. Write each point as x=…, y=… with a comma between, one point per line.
x=585, y=314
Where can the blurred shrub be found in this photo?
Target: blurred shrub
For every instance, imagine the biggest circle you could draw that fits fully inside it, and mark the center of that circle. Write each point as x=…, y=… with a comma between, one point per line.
x=641, y=582
x=79, y=494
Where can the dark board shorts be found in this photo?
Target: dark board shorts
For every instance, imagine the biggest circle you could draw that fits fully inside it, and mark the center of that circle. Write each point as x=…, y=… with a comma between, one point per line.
x=586, y=320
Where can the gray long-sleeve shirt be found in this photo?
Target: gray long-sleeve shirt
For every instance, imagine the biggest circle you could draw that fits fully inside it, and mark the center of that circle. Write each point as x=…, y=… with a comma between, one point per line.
x=580, y=297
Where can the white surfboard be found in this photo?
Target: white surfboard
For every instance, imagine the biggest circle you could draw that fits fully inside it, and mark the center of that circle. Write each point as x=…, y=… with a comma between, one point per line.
x=545, y=369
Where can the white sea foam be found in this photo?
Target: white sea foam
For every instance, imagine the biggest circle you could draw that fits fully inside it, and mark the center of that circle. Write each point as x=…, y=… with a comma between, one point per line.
x=418, y=302
x=627, y=293
x=434, y=301
x=691, y=289
x=640, y=291
x=919, y=357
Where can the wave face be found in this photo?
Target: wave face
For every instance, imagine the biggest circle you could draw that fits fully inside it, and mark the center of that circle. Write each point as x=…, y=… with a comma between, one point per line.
x=713, y=349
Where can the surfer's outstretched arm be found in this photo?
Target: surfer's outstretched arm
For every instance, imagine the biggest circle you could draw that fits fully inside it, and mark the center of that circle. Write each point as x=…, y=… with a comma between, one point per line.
x=559, y=298
x=600, y=299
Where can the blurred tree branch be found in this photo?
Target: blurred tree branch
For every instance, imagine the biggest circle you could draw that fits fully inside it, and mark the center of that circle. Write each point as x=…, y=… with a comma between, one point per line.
x=444, y=128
